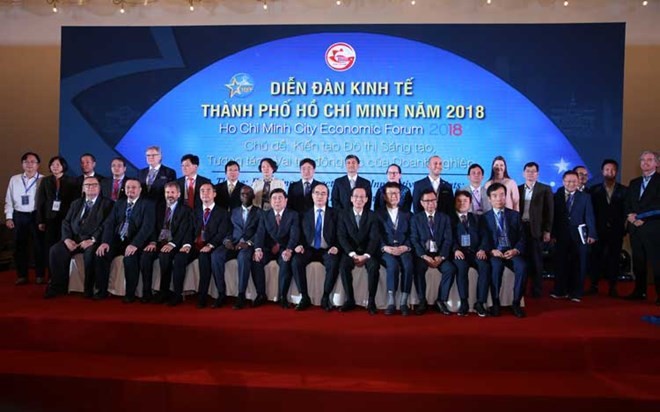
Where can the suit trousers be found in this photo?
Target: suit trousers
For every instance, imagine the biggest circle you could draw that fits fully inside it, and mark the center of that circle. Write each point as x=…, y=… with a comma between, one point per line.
x=462, y=280
x=52, y=235
x=60, y=260
x=346, y=266
x=205, y=272
x=446, y=268
x=571, y=262
x=246, y=264
x=395, y=265
x=519, y=267
x=25, y=228
x=330, y=263
x=131, y=267
x=606, y=257
x=646, y=249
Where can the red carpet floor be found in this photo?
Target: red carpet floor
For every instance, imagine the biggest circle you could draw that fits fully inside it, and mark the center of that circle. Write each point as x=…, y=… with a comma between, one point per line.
x=75, y=354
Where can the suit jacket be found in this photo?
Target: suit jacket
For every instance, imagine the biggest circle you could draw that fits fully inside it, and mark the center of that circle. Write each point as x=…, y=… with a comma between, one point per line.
x=649, y=201
x=183, y=186
x=247, y=231
x=405, y=203
x=341, y=192
x=390, y=235
x=483, y=198
x=140, y=225
x=46, y=195
x=81, y=179
x=75, y=229
x=610, y=217
x=365, y=239
x=445, y=195
x=107, y=184
x=459, y=229
x=224, y=199
x=286, y=235
x=513, y=226
x=420, y=233
x=297, y=199
x=582, y=212
x=258, y=187
x=329, y=228
x=541, y=208
x=157, y=190
x=181, y=225
x=218, y=226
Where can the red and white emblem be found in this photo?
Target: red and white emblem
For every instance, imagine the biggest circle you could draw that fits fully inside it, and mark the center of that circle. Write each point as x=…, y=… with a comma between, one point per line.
x=340, y=57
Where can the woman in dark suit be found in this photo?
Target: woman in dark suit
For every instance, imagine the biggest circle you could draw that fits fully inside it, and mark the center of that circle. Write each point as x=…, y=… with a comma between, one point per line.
x=54, y=196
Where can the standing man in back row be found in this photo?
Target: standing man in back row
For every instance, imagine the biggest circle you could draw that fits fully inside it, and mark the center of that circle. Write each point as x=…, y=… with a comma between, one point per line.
x=154, y=177
x=440, y=187
x=343, y=186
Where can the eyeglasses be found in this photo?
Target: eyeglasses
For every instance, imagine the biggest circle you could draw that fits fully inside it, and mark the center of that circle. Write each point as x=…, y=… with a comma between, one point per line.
x=358, y=197
x=30, y=162
x=429, y=200
x=90, y=184
x=319, y=193
x=153, y=154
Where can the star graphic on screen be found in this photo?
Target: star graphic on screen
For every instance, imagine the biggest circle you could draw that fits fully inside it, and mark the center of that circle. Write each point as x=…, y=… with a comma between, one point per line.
x=234, y=87
x=562, y=165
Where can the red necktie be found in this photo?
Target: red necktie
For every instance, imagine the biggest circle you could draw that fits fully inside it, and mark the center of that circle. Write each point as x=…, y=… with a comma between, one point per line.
x=115, y=190
x=191, y=192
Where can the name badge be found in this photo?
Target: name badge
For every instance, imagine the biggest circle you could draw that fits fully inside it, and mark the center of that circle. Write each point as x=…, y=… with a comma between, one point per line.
x=432, y=246
x=165, y=235
x=465, y=240
x=25, y=200
x=503, y=242
x=56, y=205
x=204, y=235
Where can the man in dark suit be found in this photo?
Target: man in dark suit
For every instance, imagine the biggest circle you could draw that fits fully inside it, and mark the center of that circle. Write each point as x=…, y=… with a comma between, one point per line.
x=81, y=230
x=126, y=232
x=114, y=188
x=173, y=229
x=504, y=236
x=228, y=193
x=210, y=228
x=300, y=191
x=87, y=167
x=359, y=239
x=469, y=250
x=430, y=236
x=537, y=207
x=439, y=186
x=642, y=211
x=343, y=186
x=573, y=229
x=318, y=243
x=190, y=182
x=154, y=177
x=277, y=238
x=608, y=199
x=395, y=247
x=239, y=244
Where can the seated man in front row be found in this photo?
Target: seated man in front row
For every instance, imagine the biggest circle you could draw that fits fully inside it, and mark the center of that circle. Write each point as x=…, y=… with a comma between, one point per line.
x=318, y=243
x=503, y=234
x=469, y=250
x=81, y=230
x=431, y=238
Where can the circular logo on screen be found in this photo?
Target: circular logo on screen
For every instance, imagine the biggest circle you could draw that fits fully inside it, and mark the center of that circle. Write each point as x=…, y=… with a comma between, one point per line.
x=240, y=85
x=340, y=57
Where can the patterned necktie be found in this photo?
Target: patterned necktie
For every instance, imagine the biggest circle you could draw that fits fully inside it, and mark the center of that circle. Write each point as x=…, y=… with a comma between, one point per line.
x=500, y=221
x=191, y=192
x=202, y=233
x=230, y=188
x=464, y=220
x=168, y=215
x=357, y=221
x=307, y=188
x=151, y=177
x=124, y=228
x=115, y=189
x=318, y=229
x=431, y=224
x=569, y=202
x=88, y=208
x=278, y=219
x=352, y=183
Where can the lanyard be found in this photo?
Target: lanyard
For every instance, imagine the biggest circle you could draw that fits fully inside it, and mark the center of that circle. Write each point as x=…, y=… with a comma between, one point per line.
x=25, y=185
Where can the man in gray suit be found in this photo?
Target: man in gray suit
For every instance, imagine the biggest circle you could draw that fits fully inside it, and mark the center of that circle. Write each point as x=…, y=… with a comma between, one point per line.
x=480, y=203
x=536, y=206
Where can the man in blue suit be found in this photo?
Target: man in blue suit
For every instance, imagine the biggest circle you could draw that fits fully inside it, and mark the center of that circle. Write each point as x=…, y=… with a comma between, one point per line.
x=430, y=236
x=395, y=247
x=277, y=238
x=343, y=186
x=154, y=177
x=442, y=189
x=574, y=227
x=239, y=244
x=318, y=243
x=504, y=237
x=469, y=250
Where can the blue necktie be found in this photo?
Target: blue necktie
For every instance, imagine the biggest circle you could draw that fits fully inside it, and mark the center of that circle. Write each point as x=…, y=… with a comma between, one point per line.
x=569, y=202
x=124, y=227
x=318, y=229
x=645, y=183
x=500, y=221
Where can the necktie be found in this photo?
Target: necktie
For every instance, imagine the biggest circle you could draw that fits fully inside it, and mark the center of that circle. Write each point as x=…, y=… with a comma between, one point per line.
x=230, y=187
x=124, y=228
x=318, y=229
x=307, y=188
x=88, y=208
x=477, y=199
x=202, y=233
x=151, y=177
x=645, y=183
x=245, y=214
x=278, y=219
x=464, y=219
x=569, y=202
x=352, y=183
x=431, y=223
x=191, y=192
x=115, y=189
x=168, y=215
x=357, y=221
x=500, y=223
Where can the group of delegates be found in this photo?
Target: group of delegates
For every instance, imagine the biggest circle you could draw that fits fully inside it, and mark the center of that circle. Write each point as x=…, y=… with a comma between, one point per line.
x=488, y=226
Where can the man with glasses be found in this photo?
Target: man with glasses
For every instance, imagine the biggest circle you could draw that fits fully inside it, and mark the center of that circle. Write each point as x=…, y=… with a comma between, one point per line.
x=318, y=243
x=583, y=177
x=114, y=188
x=88, y=169
x=154, y=177
x=300, y=191
x=21, y=217
x=81, y=232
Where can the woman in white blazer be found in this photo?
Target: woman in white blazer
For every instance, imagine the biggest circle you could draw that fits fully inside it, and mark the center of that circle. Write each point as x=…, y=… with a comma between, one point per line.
x=262, y=187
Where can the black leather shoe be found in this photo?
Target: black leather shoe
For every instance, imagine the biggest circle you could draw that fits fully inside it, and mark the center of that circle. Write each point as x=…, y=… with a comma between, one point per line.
x=88, y=294
x=518, y=311
x=421, y=308
x=40, y=280
x=21, y=281
x=304, y=303
x=128, y=299
x=347, y=306
x=636, y=296
x=50, y=293
x=100, y=295
x=283, y=302
x=463, y=309
x=259, y=301
x=219, y=302
x=175, y=301
x=371, y=308
x=405, y=310
x=495, y=310
x=479, y=308
x=389, y=310
x=325, y=303
x=145, y=299
x=442, y=308
x=239, y=304
x=159, y=299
